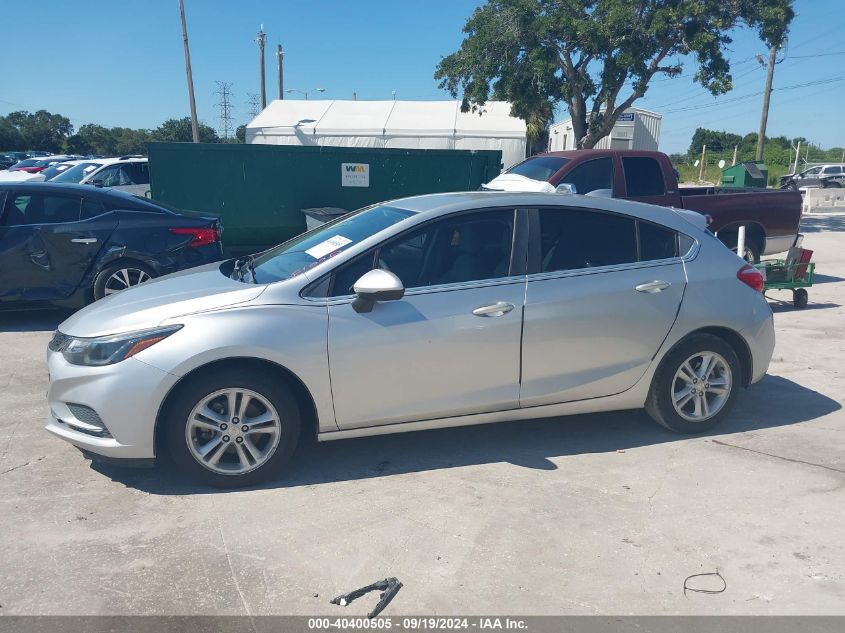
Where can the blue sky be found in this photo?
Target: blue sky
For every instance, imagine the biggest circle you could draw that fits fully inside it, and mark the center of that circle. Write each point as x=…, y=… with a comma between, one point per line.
x=121, y=63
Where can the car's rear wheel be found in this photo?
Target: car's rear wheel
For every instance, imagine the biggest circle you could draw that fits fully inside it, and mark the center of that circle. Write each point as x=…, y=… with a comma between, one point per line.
x=695, y=385
x=228, y=429
x=121, y=276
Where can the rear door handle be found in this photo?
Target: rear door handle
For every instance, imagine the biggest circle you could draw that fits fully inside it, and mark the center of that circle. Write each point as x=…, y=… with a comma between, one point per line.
x=652, y=286
x=493, y=310
x=84, y=240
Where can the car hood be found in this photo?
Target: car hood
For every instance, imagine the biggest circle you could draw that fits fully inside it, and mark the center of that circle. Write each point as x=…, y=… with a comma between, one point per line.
x=148, y=305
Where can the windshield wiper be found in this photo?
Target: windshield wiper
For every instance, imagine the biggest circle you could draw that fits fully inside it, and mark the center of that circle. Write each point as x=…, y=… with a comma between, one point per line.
x=245, y=263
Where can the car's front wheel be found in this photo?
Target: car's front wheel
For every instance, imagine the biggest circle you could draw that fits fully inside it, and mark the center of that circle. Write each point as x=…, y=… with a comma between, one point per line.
x=229, y=429
x=695, y=385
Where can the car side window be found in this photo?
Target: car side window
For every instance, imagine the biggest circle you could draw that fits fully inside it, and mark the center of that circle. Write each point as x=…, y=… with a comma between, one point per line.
x=643, y=176
x=91, y=209
x=591, y=175
x=571, y=239
x=114, y=176
x=463, y=248
x=24, y=209
x=657, y=242
x=139, y=173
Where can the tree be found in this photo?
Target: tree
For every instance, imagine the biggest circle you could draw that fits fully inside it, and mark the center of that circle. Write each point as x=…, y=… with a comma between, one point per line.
x=41, y=130
x=179, y=130
x=585, y=54
x=240, y=133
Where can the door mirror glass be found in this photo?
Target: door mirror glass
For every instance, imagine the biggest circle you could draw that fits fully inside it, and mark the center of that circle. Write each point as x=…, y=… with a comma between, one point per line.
x=97, y=182
x=566, y=187
x=376, y=285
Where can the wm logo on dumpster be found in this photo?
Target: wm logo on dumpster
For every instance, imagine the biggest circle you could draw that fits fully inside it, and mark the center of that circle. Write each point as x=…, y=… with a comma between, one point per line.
x=354, y=175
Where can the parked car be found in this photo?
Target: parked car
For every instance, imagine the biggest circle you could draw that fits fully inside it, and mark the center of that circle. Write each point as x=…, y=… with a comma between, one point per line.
x=771, y=217
x=7, y=161
x=421, y=313
x=18, y=156
x=77, y=171
x=55, y=169
x=68, y=244
x=36, y=165
x=819, y=176
x=127, y=173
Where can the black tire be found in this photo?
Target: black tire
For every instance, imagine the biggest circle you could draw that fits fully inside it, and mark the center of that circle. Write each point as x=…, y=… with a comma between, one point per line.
x=659, y=404
x=800, y=298
x=191, y=393
x=752, y=250
x=106, y=273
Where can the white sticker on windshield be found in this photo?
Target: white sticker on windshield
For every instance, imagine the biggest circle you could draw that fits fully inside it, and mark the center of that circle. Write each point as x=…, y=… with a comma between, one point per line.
x=329, y=246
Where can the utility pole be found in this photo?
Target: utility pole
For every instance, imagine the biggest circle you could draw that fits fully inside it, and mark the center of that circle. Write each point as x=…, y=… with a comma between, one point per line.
x=764, y=115
x=194, y=124
x=355, y=98
x=280, y=56
x=736, y=147
x=701, y=164
x=224, y=94
x=261, y=39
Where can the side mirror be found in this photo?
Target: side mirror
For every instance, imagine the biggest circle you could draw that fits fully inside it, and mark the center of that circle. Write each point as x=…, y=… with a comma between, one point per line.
x=566, y=187
x=97, y=182
x=376, y=285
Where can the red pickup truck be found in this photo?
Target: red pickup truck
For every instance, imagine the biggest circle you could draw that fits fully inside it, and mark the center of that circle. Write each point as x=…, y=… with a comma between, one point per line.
x=771, y=216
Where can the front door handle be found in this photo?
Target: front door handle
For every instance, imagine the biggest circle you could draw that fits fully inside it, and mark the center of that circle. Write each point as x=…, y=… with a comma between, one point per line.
x=652, y=286
x=493, y=310
x=84, y=240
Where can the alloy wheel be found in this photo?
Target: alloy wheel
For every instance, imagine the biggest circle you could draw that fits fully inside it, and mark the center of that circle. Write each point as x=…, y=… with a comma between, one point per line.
x=702, y=386
x=125, y=278
x=233, y=431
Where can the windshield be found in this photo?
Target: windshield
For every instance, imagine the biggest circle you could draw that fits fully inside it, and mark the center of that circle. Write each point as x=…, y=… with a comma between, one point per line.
x=539, y=167
x=77, y=172
x=27, y=162
x=53, y=170
x=309, y=249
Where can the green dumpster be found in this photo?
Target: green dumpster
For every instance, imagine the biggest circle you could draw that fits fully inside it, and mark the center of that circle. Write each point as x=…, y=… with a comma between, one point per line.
x=260, y=190
x=748, y=174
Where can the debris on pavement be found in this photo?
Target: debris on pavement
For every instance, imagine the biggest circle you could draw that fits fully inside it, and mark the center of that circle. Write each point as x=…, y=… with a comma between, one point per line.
x=701, y=590
x=389, y=588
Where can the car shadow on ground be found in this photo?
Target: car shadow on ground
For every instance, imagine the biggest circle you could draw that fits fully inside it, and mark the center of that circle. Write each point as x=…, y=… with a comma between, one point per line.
x=774, y=402
x=786, y=305
x=45, y=320
x=819, y=224
x=826, y=279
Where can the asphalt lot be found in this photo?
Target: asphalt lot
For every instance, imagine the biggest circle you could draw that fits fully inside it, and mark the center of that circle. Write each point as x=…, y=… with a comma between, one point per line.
x=604, y=514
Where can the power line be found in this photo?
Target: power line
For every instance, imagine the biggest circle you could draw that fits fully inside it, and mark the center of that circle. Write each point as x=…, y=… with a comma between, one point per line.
x=224, y=94
x=816, y=55
x=818, y=82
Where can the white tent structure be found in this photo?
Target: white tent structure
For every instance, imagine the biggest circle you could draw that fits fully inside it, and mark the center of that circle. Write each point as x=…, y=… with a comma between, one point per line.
x=396, y=124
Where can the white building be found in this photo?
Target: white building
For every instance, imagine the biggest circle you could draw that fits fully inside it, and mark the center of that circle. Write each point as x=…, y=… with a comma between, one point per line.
x=635, y=129
x=398, y=124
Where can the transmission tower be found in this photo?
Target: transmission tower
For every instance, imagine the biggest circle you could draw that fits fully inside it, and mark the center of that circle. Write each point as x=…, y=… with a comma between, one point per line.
x=253, y=105
x=224, y=96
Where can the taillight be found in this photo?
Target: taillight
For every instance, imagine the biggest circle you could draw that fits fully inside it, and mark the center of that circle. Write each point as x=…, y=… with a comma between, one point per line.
x=751, y=277
x=201, y=237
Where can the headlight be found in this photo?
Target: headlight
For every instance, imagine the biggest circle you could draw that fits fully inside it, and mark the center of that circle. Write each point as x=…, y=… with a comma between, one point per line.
x=107, y=350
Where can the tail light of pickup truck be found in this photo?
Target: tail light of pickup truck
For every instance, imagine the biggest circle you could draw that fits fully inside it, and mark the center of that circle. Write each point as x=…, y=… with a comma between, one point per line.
x=751, y=277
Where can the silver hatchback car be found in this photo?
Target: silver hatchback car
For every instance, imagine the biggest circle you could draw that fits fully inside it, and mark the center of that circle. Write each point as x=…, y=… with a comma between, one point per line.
x=427, y=312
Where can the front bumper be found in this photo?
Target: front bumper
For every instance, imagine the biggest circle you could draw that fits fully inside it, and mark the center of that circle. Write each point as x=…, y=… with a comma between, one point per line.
x=126, y=396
